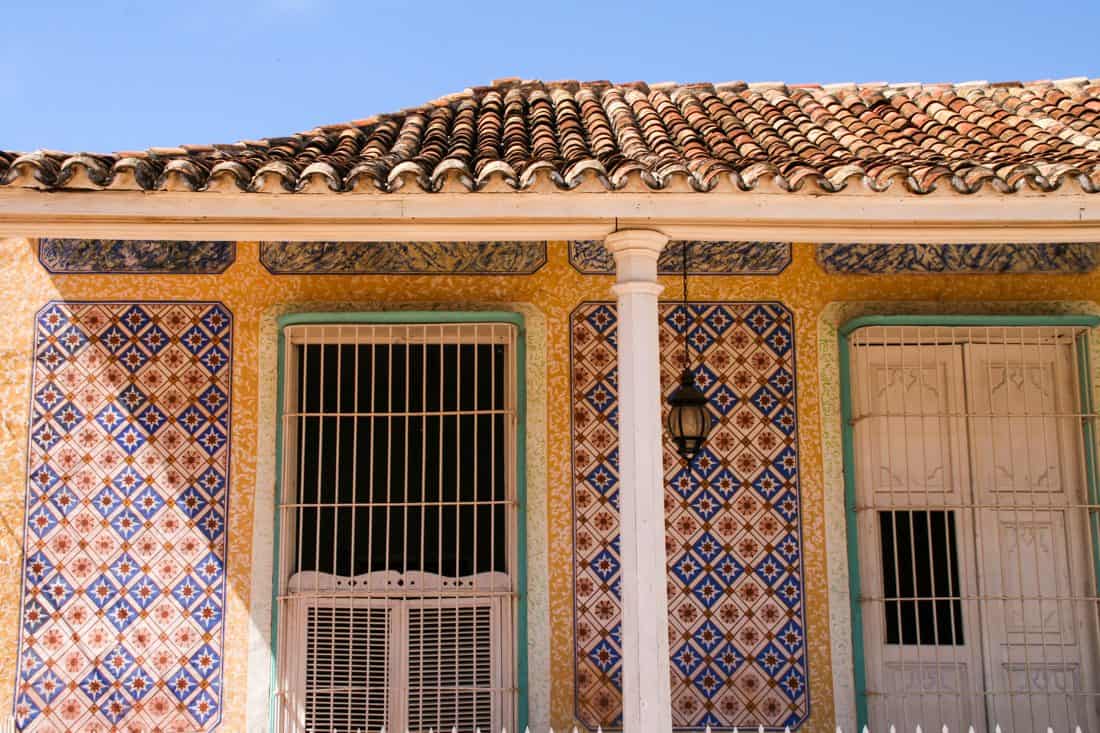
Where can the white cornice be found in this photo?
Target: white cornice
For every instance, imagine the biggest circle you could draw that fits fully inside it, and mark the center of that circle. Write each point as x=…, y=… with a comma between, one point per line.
x=483, y=216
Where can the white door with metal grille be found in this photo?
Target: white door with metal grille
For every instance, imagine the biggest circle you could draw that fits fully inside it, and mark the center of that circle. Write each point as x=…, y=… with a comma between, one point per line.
x=398, y=527
x=977, y=579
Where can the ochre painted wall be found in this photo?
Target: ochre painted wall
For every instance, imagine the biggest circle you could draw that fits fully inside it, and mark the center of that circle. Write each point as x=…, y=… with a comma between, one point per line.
x=248, y=290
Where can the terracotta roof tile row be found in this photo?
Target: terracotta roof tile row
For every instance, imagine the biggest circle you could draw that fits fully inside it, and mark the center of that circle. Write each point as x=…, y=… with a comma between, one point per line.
x=596, y=136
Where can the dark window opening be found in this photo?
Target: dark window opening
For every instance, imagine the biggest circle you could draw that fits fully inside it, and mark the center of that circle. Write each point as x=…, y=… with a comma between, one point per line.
x=920, y=572
x=403, y=448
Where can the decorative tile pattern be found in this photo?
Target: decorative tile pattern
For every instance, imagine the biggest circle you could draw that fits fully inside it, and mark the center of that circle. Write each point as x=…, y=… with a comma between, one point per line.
x=403, y=258
x=958, y=258
x=737, y=627
x=125, y=541
x=570, y=135
x=704, y=258
x=119, y=256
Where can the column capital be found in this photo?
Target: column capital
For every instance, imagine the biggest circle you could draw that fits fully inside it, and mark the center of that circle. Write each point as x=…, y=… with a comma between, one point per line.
x=636, y=252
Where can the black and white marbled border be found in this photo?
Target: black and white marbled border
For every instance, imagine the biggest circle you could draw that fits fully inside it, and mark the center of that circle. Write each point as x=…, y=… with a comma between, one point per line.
x=403, y=258
x=871, y=259
x=134, y=256
x=704, y=258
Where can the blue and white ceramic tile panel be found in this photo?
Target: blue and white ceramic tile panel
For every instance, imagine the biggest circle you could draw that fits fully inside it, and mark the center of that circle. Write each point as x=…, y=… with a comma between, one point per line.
x=125, y=538
x=958, y=258
x=704, y=258
x=402, y=258
x=737, y=626
x=92, y=256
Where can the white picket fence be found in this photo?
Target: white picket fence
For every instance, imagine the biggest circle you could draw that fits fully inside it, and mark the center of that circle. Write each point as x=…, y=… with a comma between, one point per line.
x=8, y=726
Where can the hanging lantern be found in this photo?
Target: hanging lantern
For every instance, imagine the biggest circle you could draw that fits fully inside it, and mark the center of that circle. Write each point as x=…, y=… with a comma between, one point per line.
x=689, y=421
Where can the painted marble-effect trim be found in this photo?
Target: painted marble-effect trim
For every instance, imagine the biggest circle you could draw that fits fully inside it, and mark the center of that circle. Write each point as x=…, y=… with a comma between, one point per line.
x=832, y=317
x=539, y=621
x=134, y=256
x=590, y=257
x=867, y=259
x=403, y=258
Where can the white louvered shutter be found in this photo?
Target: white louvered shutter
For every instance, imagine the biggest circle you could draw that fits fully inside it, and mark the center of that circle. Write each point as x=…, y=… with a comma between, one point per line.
x=346, y=667
x=453, y=661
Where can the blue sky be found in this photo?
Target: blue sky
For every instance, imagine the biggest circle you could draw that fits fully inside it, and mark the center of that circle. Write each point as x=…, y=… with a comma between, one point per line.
x=102, y=76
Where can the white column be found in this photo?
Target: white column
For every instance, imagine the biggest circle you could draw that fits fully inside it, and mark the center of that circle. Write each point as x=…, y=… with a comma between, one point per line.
x=647, y=698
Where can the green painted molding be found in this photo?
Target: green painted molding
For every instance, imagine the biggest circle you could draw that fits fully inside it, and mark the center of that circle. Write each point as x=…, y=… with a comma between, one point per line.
x=418, y=317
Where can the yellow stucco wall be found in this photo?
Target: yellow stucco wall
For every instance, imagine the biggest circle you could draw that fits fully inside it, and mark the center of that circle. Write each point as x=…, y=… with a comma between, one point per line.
x=248, y=290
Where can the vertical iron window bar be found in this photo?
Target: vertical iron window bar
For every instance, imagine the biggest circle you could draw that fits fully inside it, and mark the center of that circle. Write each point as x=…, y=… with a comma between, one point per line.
x=972, y=510
x=398, y=528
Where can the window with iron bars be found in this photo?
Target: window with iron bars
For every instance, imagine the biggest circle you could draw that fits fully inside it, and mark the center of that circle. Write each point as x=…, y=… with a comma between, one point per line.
x=397, y=524
x=975, y=519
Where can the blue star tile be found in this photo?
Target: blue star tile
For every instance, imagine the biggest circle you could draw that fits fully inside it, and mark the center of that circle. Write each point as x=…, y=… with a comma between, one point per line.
x=211, y=482
x=155, y=339
x=602, y=319
x=144, y=592
x=759, y=319
x=35, y=616
x=44, y=477
x=64, y=500
x=604, y=656
x=181, y=684
x=708, y=636
x=110, y=418
x=101, y=592
x=678, y=319
x=48, y=686
x=725, y=483
x=192, y=503
x=106, y=502
x=790, y=637
x=95, y=685
x=53, y=319
x=706, y=505
x=787, y=506
x=727, y=569
x=49, y=397
x=210, y=568
x=195, y=340
x=203, y=707
x=790, y=592
x=214, y=360
x=770, y=569
x=705, y=379
x=25, y=711
x=605, y=565
x=793, y=684
x=126, y=523
x=191, y=420
x=115, y=707
x=45, y=435
x=687, y=568
x=128, y=481
x=601, y=397
x=779, y=340
x=767, y=484
x=788, y=548
x=784, y=420
x=41, y=522
x=125, y=568
x=212, y=440
x=67, y=417
x=687, y=659
x=188, y=591
x=782, y=381
x=217, y=320
x=765, y=400
x=728, y=659
x=134, y=319
x=133, y=358
x=56, y=592
x=130, y=439
x=786, y=462
x=213, y=400
x=38, y=567
x=132, y=398
x=121, y=615
x=724, y=400
x=212, y=524
x=148, y=503
x=708, y=592
x=152, y=419
x=699, y=339
x=117, y=662
x=771, y=659
x=707, y=547
x=29, y=663
x=601, y=479
x=205, y=661
x=138, y=684
x=708, y=681
x=720, y=320
x=684, y=483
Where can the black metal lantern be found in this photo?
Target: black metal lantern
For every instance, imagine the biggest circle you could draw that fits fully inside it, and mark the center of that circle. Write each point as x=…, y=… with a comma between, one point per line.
x=689, y=422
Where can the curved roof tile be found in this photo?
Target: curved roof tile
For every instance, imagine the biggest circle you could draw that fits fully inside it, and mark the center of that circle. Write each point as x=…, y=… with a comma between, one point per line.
x=567, y=135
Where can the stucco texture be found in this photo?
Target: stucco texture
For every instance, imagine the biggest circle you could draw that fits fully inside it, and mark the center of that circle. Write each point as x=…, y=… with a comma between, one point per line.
x=249, y=291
